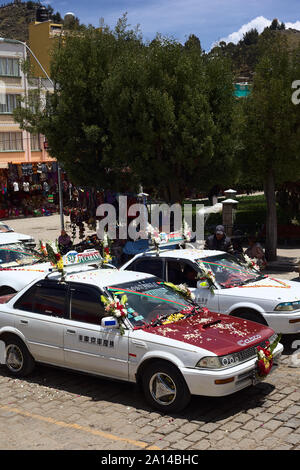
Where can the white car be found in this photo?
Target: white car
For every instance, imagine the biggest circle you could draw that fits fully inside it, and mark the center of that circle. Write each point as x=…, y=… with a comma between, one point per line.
x=8, y=235
x=20, y=266
x=237, y=290
x=67, y=323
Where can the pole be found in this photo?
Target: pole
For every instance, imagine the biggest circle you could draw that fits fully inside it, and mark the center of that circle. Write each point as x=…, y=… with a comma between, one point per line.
x=62, y=224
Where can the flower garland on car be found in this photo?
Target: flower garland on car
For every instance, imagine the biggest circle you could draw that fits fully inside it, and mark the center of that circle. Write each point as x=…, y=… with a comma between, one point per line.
x=106, y=247
x=116, y=308
x=251, y=263
x=208, y=276
x=265, y=358
x=181, y=289
x=51, y=254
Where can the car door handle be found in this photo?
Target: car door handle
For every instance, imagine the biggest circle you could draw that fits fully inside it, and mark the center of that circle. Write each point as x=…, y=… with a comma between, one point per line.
x=71, y=332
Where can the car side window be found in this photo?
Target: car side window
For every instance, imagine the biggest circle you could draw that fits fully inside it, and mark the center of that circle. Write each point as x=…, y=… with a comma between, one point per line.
x=45, y=298
x=150, y=266
x=26, y=302
x=86, y=305
x=180, y=272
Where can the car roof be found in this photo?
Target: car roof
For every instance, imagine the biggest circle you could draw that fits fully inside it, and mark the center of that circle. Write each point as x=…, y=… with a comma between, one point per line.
x=101, y=277
x=191, y=254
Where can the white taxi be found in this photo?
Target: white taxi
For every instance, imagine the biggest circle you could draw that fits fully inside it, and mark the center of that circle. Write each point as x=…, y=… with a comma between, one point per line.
x=130, y=326
x=8, y=235
x=233, y=288
x=20, y=266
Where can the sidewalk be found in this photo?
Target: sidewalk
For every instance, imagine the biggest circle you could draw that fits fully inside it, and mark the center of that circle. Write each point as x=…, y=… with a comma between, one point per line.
x=287, y=263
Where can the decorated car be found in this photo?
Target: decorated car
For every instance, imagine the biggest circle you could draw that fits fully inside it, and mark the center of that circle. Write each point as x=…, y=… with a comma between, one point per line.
x=133, y=327
x=222, y=283
x=8, y=235
x=20, y=266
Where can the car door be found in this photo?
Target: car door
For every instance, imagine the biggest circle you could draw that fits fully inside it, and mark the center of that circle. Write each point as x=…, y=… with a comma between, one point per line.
x=87, y=345
x=181, y=271
x=41, y=314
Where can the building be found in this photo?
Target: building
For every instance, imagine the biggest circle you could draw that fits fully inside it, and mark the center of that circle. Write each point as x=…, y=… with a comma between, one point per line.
x=16, y=146
x=27, y=173
x=42, y=35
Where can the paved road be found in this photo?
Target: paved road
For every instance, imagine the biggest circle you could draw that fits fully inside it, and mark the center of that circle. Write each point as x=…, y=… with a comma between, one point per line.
x=60, y=410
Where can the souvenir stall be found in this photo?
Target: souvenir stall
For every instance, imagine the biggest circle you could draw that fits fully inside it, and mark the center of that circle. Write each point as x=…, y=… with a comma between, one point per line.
x=29, y=189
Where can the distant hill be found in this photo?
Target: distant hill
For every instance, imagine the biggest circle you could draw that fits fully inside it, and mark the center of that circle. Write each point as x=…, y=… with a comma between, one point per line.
x=16, y=16
x=245, y=54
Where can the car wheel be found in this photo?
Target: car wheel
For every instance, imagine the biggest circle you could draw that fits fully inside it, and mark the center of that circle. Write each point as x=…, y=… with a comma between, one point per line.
x=164, y=387
x=18, y=361
x=250, y=315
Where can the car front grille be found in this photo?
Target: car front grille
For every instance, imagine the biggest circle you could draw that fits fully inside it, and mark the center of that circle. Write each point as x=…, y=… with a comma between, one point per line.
x=249, y=353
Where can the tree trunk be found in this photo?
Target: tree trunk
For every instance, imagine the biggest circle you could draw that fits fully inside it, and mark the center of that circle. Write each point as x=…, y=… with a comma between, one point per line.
x=271, y=219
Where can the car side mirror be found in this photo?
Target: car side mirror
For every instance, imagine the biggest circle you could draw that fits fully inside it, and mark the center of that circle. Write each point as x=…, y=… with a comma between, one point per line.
x=202, y=285
x=109, y=322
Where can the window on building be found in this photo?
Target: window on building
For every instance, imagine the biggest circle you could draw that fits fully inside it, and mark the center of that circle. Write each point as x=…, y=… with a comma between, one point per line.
x=35, y=142
x=9, y=67
x=11, y=141
x=8, y=103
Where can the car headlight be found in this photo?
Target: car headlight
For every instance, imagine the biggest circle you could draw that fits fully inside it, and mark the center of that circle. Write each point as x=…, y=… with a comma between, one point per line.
x=230, y=360
x=287, y=306
x=218, y=362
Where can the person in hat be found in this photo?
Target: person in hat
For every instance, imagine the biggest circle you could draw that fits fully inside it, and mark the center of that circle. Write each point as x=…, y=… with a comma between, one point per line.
x=219, y=241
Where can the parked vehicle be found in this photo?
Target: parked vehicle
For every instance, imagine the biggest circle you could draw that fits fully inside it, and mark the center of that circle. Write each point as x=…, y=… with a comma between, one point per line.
x=130, y=326
x=233, y=288
x=8, y=235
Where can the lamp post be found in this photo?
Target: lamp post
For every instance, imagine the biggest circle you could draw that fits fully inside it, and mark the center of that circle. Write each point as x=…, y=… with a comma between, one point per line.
x=16, y=41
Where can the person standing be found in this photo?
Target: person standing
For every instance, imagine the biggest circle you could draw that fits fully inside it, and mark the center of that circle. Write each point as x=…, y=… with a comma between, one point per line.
x=219, y=241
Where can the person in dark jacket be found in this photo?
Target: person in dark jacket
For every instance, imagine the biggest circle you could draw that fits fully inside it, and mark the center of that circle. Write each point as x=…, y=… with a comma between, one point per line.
x=219, y=241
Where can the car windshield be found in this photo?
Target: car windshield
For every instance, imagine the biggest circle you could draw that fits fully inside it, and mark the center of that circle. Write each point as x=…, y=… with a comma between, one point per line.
x=148, y=299
x=229, y=271
x=12, y=255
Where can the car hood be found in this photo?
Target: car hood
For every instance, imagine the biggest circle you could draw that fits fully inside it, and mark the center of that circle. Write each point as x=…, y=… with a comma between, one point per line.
x=268, y=288
x=217, y=333
x=14, y=237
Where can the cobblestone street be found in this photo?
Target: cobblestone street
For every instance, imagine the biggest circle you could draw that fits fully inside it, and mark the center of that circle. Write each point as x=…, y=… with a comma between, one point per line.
x=55, y=409
x=59, y=410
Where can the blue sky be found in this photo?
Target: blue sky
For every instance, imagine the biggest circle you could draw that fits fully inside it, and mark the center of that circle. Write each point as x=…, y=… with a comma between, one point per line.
x=210, y=20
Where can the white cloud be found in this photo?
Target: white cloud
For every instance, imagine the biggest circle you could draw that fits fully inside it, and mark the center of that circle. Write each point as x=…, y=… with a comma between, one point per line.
x=259, y=23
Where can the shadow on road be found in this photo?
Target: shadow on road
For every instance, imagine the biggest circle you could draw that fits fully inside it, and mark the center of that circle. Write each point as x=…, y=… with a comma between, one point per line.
x=200, y=409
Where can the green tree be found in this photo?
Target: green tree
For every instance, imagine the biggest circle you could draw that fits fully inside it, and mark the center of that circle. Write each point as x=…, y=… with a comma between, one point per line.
x=126, y=113
x=160, y=118
x=271, y=131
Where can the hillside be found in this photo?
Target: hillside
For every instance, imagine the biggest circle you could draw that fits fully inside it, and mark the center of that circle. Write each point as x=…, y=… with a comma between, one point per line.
x=245, y=54
x=15, y=17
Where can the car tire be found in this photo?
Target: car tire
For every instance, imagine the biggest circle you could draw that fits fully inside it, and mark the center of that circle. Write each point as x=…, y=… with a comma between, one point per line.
x=250, y=315
x=18, y=361
x=165, y=388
